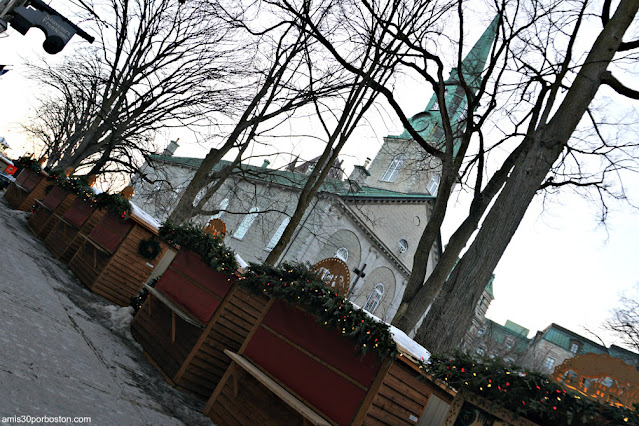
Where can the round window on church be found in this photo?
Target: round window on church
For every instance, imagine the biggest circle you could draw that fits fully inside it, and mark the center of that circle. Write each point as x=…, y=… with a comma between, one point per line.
x=417, y=220
x=342, y=253
x=403, y=246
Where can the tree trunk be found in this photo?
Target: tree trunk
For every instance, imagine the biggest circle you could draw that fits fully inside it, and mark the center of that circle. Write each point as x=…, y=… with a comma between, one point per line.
x=449, y=317
x=424, y=297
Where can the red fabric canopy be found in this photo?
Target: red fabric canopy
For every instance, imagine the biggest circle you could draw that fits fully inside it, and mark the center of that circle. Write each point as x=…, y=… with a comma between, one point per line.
x=110, y=232
x=312, y=380
x=194, y=286
x=54, y=197
x=30, y=180
x=78, y=213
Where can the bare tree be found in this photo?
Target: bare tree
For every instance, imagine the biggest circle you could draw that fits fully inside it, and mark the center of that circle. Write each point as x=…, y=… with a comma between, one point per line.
x=530, y=64
x=371, y=53
x=624, y=322
x=285, y=79
x=157, y=64
x=552, y=121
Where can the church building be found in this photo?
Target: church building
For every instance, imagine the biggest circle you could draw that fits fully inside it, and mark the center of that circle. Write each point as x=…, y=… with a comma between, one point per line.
x=372, y=220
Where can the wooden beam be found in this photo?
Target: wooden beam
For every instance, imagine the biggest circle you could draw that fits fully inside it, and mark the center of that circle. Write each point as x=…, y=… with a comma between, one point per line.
x=172, y=327
x=308, y=414
x=174, y=307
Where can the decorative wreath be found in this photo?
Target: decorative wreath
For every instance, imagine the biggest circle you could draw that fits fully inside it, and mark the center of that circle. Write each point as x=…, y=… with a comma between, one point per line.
x=149, y=249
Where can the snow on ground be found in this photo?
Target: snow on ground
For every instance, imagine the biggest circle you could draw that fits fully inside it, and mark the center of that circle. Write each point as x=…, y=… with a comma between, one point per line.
x=65, y=351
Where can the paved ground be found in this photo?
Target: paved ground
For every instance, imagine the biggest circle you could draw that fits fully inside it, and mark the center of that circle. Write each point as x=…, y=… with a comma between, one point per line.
x=65, y=351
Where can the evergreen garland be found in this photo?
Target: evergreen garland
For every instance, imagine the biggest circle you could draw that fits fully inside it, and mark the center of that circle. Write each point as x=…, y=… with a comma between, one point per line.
x=528, y=394
x=138, y=301
x=211, y=248
x=27, y=162
x=78, y=185
x=115, y=204
x=297, y=285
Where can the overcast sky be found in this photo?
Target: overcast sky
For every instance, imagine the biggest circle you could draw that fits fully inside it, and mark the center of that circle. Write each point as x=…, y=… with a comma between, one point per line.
x=562, y=265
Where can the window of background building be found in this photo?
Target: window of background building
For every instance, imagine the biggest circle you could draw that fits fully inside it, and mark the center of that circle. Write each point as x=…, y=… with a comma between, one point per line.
x=549, y=363
x=374, y=298
x=246, y=223
x=342, y=253
x=433, y=185
x=222, y=206
x=394, y=168
x=574, y=348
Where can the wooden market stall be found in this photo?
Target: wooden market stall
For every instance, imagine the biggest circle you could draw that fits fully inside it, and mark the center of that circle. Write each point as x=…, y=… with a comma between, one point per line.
x=108, y=260
x=71, y=227
x=292, y=370
x=28, y=187
x=54, y=205
x=190, y=317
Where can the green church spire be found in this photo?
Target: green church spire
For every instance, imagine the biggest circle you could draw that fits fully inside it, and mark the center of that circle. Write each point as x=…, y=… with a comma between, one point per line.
x=427, y=123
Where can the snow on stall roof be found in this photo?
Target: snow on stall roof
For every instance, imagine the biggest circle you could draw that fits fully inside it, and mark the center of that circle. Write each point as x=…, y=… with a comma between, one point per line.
x=144, y=217
x=405, y=344
x=9, y=177
x=6, y=160
x=241, y=262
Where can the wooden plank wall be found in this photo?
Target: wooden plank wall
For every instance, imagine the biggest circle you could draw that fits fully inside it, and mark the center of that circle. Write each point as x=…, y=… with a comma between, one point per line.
x=18, y=192
x=126, y=270
x=37, y=193
x=56, y=215
x=78, y=239
x=152, y=328
x=401, y=398
x=43, y=219
x=65, y=239
x=13, y=195
x=228, y=329
x=39, y=218
x=248, y=402
x=88, y=262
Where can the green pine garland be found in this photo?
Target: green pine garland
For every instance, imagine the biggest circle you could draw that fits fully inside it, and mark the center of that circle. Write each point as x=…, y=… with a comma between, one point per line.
x=27, y=162
x=78, y=185
x=75, y=184
x=138, y=301
x=115, y=204
x=296, y=284
x=211, y=248
x=525, y=393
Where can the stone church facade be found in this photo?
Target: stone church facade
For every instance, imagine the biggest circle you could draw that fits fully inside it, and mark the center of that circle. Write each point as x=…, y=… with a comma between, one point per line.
x=372, y=220
x=373, y=230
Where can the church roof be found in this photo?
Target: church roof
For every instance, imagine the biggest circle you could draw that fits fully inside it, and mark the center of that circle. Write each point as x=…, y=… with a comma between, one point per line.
x=297, y=180
x=428, y=122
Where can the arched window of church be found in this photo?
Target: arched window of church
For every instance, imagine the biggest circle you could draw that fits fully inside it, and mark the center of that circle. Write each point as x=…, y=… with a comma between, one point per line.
x=221, y=207
x=342, y=253
x=394, y=168
x=278, y=234
x=374, y=298
x=246, y=223
x=433, y=185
